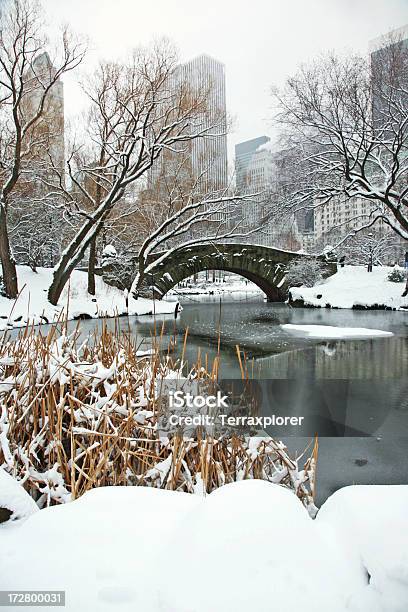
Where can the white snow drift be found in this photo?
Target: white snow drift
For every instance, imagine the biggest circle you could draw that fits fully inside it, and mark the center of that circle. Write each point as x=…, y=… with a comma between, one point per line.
x=354, y=286
x=329, y=331
x=14, y=497
x=250, y=545
x=32, y=304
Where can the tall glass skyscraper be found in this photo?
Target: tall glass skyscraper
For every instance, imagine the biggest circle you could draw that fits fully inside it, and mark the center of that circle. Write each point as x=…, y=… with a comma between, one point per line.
x=389, y=73
x=208, y=153
x=245, y=154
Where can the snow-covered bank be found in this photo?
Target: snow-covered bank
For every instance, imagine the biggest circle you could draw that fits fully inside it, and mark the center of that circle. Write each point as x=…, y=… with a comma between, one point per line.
x=353, y=287
x=249, y=545
x=32, y=304
x=330, y=332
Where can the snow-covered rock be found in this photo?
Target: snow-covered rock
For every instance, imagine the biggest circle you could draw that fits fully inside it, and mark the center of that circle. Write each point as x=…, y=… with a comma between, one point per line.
x=259, y=550
x=353, y=286
x=109, y=251
x=14, y=498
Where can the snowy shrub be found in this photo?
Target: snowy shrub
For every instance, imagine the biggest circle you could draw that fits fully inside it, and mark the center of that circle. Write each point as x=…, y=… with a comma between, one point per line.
x=307, y=272
x=15, y=502
x=397, y=275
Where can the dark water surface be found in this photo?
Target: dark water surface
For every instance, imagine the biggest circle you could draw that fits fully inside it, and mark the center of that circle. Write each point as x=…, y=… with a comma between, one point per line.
x=254, y=325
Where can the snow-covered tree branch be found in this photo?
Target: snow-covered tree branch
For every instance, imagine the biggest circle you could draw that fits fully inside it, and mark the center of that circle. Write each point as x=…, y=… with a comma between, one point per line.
x=346, y=127
x=27, y=78
x=141, y=116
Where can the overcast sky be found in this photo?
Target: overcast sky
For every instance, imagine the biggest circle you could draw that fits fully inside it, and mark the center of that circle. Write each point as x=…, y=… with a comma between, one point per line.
x=260, y=42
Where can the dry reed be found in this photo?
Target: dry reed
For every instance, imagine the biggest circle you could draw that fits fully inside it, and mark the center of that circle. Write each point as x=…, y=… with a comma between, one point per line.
x=80, y=415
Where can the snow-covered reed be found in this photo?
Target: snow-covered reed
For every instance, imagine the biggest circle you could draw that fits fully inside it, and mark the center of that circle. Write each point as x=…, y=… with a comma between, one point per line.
x=74, y=416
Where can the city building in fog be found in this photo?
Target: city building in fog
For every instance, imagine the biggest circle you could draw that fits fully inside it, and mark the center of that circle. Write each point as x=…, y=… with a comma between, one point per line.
x=342, y=214
x=387, y=45
x=49, y=130
x=47, y=150
x=250, y=162
x=209, y=155
x=258, y=170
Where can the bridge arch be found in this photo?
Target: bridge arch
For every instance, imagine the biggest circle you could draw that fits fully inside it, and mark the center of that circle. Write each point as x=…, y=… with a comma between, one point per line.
x=264, y=266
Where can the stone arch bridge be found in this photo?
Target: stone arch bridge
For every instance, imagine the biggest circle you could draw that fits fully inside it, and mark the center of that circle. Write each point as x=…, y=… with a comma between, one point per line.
x=264, y=266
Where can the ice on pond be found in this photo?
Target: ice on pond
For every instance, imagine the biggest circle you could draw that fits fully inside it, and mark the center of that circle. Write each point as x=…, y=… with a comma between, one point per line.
x=329, y=331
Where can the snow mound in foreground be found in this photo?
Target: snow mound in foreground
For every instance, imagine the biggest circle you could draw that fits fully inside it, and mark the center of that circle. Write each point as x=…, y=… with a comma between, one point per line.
x=14, y=498
x=374, y=520
x=249, y=545
x=328, y=331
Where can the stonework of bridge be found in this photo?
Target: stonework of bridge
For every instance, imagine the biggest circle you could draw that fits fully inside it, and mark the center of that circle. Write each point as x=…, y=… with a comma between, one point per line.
x=264, y=266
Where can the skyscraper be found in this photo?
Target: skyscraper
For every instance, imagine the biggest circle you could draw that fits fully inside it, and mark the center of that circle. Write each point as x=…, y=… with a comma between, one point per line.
x=204, y=158
x=208, y=153
x=250, y=161
x=389, y=74
x=46, y=153
x=196, y=168
x=49, y=130
x=258, y=170
x=397, y=37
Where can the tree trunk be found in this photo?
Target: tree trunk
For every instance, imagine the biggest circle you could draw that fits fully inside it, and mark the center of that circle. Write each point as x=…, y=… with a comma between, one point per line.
x=141, y=265
x=406, y=289
x=6, y=257
x=59, y=281
x=71, y=257
x=91, y=266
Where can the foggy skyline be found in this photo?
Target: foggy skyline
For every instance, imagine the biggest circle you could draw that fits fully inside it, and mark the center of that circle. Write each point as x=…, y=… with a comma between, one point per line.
x=260, y=43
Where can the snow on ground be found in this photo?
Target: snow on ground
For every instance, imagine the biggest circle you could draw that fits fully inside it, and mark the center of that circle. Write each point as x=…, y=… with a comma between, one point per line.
x=232, y=283
x=13, y=497
x=329, y=331
x=354, y=286
x=374, y=520
x=249, y=545
x=33, y=305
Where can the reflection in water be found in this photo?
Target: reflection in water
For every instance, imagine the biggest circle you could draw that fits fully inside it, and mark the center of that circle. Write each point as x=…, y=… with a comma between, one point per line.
x=346, y=359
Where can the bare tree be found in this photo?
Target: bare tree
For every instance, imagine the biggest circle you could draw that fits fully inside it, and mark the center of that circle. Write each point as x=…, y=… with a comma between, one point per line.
x=190, y=217
x=346, y=126
x=370, y=249
x=24, y=93
x=36, y=231
x=141, y=111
